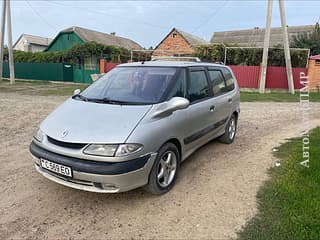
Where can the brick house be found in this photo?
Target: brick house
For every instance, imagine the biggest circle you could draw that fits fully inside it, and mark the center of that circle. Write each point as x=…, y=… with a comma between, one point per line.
x=177, y=43
x=314, y=73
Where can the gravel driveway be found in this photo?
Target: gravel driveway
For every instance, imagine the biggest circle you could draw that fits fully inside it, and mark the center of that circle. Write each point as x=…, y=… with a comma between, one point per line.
x=213, y=198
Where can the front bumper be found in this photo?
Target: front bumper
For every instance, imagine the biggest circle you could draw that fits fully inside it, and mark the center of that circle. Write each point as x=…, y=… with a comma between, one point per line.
x=93, y=176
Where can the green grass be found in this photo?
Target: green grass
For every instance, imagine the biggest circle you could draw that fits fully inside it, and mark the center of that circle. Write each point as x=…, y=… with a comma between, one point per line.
x=42, y=88
x=289, y=203
x=276, y=97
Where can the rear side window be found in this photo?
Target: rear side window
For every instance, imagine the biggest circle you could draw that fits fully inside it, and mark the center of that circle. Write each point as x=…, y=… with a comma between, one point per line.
x=229, y=79
x=217, y=82
x=198, y=86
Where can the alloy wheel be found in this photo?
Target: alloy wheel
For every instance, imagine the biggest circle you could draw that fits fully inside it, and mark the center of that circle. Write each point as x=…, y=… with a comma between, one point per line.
x=166, y=169
x=232, y=128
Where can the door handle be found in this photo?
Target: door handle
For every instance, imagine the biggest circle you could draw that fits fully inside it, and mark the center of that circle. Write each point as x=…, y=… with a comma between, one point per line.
x=212, y=108
x=230, y=100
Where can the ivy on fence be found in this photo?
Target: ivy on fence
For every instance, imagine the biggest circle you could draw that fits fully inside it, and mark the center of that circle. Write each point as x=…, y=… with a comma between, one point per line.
x=249, y=56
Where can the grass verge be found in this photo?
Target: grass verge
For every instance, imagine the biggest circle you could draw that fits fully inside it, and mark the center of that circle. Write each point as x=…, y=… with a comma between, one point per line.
x=276, y=97
x=289, y=203
x=42, y=88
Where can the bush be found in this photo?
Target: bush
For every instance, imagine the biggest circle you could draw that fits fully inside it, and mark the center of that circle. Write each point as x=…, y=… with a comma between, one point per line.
x=249, y=56
x=78, y=52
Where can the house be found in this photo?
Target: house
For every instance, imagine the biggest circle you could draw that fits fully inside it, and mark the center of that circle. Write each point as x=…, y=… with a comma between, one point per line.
x=30, y=43
x=255, y=37
x=88, y=66
x=314, y=73
x=69, y=37
x=177, y=43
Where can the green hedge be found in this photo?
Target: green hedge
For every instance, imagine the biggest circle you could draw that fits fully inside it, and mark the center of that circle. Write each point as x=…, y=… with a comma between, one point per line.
x=249, y=56
x=75, y=54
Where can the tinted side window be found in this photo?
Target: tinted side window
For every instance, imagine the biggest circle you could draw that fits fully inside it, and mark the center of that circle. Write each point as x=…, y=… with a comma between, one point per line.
x=218, y=83
x=198, y=86
x=229, y=79
x=179, y=87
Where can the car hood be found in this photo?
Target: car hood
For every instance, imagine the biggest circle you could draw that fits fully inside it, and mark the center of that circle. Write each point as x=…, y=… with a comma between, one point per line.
x=88, y=122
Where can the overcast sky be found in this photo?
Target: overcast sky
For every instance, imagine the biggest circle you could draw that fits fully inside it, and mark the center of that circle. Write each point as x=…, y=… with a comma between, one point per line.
x=148, y=22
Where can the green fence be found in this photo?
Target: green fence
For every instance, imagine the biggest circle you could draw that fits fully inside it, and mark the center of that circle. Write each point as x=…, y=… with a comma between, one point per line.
x=50, y=72
x=81, y=75
x=41, y=71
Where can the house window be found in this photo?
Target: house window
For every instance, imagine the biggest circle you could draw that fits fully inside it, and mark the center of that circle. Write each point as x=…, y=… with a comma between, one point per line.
x=174, y=35
x=90, y=63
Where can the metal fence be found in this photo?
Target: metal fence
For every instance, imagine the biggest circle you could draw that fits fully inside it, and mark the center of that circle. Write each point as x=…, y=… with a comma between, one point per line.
x=248, y=76
x=41, y=71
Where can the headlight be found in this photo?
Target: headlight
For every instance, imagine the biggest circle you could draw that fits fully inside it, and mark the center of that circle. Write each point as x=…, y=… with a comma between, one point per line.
x=101, y=150
x=39, y=135
x=111, y=150
x=126, y=149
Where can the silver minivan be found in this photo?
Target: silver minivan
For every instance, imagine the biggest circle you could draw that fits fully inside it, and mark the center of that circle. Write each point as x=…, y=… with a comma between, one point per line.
x=136, y=124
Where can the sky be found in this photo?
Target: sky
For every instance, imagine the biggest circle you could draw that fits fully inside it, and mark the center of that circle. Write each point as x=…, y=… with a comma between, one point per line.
x=148, y=22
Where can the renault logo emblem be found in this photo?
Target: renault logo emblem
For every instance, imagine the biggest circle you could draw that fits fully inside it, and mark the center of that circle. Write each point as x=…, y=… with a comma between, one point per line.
x=65, y=133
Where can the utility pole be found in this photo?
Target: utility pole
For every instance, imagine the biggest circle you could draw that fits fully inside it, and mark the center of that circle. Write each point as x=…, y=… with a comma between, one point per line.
x=286, y=47
x=11, y=65
x=266, y=43
x=264, y=63
x=3, y=23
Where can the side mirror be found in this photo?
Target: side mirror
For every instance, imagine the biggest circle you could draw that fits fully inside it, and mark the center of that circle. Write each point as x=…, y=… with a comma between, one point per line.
x=76, y=92
x=178, y=103
x=174, y=104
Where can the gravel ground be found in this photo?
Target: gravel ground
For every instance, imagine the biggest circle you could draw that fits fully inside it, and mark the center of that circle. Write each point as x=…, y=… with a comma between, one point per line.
x=213, y=198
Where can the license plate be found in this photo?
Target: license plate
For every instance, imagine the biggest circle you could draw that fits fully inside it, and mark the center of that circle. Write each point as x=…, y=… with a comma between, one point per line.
x=57, y=168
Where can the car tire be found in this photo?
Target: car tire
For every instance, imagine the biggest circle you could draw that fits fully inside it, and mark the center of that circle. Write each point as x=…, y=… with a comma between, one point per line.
x=230, y=130
x=165, y=170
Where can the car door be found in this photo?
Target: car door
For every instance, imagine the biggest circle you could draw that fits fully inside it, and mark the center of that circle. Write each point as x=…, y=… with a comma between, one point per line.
x=200, y=110
x=221, y=100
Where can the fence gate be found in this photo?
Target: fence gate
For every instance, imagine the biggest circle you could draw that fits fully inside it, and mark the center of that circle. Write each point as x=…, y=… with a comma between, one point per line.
x=68, y=72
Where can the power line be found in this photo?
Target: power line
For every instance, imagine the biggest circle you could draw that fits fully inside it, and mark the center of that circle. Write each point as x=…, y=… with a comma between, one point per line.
x=43, y=19
x=209, y=18
x=119, y=18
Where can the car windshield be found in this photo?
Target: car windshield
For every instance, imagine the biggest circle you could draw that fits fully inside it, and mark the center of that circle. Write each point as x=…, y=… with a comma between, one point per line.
x=130, y=85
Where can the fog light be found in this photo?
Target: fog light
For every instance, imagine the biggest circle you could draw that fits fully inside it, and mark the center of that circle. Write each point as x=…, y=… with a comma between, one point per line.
x=109, y=186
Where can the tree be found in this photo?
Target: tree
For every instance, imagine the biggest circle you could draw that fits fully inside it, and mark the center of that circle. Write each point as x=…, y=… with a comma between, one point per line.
x=311, y=41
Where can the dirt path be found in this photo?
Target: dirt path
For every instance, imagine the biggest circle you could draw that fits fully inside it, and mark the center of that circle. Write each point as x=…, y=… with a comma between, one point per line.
x=213, y=197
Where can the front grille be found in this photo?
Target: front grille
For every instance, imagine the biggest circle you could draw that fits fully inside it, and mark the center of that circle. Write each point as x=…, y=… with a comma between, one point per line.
x=66, y=144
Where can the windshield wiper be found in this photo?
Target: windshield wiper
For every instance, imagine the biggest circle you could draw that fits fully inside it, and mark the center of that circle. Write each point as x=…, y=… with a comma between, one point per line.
x=109, y=101
x=116, y=102
x=83, y=98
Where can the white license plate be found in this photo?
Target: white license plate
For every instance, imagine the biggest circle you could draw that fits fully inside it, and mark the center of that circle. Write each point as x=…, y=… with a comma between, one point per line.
x=57, y=168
